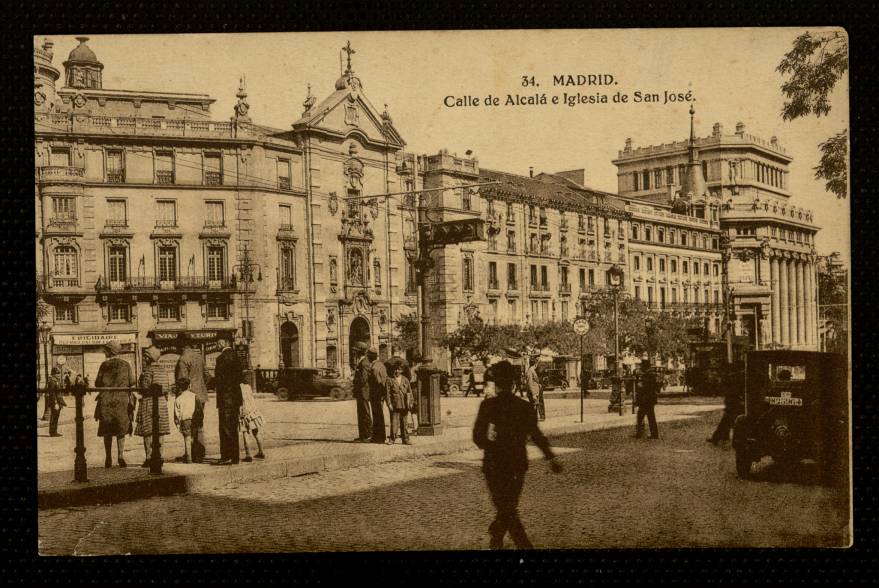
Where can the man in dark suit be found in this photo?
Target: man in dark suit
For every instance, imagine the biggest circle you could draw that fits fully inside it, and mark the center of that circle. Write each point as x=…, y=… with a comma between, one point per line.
x=378, y=379
x=54, y=401
x=362, y=370
x=228, y=375
x=646, y=392
x=503, y=425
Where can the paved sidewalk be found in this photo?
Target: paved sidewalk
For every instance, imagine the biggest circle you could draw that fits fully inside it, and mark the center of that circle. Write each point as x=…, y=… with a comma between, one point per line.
x=301, y=438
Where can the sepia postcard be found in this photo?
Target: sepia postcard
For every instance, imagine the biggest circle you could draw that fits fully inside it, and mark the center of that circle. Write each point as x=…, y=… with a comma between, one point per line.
x=442, y=290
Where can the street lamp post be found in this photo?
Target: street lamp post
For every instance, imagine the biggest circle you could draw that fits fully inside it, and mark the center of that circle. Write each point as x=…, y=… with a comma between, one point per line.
x=45, y=330
x=615, y=278
x=245, y=269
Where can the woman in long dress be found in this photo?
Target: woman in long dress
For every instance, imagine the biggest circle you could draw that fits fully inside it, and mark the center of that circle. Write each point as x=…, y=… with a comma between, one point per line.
x=115, y=403
x=144, y=420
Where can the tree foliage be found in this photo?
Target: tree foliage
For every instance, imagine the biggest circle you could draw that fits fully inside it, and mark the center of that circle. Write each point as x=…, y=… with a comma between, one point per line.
x=658, y=334
x=407, y=331
x=833, y=298
x=814, y=65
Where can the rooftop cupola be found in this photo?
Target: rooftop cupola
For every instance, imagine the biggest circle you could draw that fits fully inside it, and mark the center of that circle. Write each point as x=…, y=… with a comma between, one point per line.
x=82, y=68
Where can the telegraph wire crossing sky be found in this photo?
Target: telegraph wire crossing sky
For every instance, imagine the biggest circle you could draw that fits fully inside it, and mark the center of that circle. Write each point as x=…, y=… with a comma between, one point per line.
x=413, y=72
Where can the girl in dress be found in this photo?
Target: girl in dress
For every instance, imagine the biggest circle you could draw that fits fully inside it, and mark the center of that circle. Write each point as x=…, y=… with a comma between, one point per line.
x=250, y=421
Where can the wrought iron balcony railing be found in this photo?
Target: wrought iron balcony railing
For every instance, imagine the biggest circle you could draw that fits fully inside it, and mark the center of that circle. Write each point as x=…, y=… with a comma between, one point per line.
x=169, y=283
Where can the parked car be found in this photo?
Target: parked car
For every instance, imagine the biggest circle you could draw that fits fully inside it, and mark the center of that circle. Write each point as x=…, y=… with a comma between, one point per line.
x=796, y=407
x=303, y=383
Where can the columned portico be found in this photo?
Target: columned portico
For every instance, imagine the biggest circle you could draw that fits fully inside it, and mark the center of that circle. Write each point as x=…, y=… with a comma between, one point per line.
x=793, y=336
x=776, y=300
x=801, y=304
x=784, y=304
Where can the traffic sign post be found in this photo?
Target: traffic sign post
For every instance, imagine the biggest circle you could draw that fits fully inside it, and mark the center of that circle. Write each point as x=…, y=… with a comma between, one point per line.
x=581, y=327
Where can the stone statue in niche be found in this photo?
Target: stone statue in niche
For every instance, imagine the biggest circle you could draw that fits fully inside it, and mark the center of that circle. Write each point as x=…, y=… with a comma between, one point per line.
x=355, y=267
x=334, y=278
x=331, y=317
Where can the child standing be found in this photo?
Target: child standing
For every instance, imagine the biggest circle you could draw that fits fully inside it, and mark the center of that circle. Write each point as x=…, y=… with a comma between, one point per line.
x=184, y=407
x=250, y=421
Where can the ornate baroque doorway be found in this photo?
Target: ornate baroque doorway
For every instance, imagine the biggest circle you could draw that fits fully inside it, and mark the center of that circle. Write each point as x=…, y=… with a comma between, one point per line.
x=290, y=344
x=359, y=332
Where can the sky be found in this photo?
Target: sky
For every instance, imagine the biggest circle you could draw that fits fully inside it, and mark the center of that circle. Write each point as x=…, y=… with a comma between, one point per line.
x=730, y=73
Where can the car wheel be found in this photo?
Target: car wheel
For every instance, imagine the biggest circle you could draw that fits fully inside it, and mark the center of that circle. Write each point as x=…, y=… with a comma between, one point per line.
x=337, y=393
x=454, y=389
x=283, y=393
x=743, y=463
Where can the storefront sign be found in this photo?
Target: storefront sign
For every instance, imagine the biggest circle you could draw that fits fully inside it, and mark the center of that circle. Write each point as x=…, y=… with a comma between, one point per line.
x=199, y=336
x=87, y=339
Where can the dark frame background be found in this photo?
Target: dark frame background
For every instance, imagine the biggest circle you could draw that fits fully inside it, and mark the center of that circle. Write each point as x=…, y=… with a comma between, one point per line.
x=18, y=540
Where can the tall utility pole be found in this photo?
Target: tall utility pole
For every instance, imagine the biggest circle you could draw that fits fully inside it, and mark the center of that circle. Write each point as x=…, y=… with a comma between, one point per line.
x=725, y=254
x=246, y=268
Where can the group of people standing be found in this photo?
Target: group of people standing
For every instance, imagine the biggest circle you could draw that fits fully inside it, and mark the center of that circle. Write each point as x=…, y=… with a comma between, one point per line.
x=377, y=385
x=119, y=412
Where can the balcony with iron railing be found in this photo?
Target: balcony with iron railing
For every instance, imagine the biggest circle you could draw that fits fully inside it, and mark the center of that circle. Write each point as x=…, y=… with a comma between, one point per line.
x=61, y=282
x=166, y=223
x=565, y=289
x=213, y=178
x=493, y=284
x=512, y=286
x=61, y=174
x=283, y=183
x=164, y=177
x=116, y=176
x=167, y=283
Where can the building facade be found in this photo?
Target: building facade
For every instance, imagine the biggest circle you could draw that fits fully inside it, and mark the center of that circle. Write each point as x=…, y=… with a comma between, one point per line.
x=736, y=187
x=156, y=218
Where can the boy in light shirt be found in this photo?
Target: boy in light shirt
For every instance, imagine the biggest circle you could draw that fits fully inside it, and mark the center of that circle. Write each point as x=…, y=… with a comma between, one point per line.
x=184, y=407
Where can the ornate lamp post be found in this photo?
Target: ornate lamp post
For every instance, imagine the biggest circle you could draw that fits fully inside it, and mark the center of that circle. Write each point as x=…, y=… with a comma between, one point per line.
x=45, y=330
x=245, y=269
x=615, y=279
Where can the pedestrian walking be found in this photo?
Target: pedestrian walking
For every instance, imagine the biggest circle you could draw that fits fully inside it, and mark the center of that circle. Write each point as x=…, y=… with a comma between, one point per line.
x=411, y=373
x=144, y=420
x=646, y=392
x=378, y=379
x=398, y=395
x=362, y=369
x=54, y=401
x=184, y=408
x=191, y=366
x=733, y=404
x=250, y=422
x=503, y=425
x=114, y=408
x=228, y=375
x=535, y=390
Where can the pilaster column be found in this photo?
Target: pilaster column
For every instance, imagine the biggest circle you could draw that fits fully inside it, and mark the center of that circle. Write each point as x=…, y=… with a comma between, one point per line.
x=775, y=285
x=801, y=304
x=792, y=303
x=784, y=305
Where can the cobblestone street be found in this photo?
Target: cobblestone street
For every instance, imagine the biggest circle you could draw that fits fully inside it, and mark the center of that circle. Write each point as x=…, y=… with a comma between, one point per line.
x=615, y=492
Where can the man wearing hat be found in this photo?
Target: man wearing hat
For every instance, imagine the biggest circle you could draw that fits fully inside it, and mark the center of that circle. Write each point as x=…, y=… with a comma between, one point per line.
x=362, y=371
x=378, y=380
x=503, y=425
x=646, y=391
x=228, y=376
x=54, y=401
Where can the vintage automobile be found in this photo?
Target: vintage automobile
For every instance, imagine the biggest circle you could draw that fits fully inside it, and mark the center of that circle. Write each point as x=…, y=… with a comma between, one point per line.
x=796, y=407
x=305, y=383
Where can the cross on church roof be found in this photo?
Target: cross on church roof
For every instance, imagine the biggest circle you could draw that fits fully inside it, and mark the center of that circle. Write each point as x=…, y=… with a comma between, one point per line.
x=347, y=49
